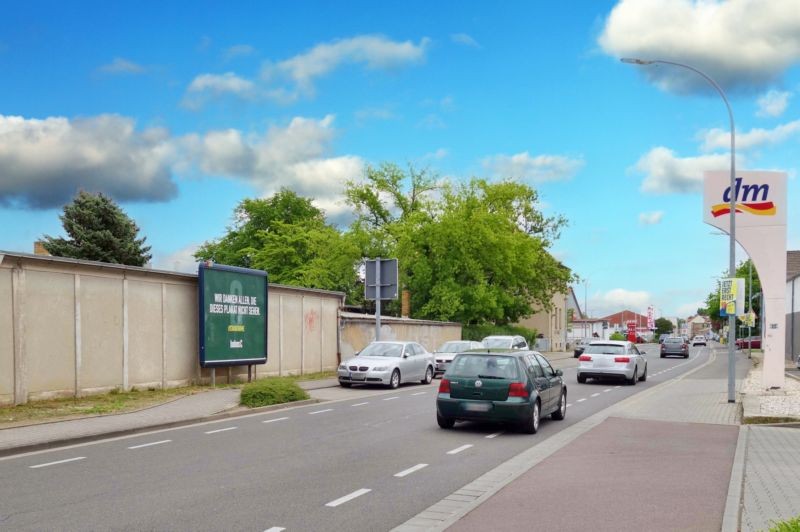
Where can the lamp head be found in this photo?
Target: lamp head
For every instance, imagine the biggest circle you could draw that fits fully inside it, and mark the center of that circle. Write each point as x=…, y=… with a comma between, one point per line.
x=635, y=61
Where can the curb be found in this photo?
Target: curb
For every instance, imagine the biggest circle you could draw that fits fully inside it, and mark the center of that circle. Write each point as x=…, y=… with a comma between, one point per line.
x=733, y=504
x=64, y=442
x=449, y=510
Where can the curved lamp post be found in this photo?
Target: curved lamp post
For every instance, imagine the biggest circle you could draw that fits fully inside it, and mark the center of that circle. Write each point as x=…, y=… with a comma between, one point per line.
x=732, y=215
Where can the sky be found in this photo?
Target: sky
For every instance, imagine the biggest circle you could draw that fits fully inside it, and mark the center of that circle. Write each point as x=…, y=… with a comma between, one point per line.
x=179, y=110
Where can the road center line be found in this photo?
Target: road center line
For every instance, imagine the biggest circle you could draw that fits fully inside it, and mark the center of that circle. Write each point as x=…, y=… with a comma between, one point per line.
x=360, y=404
x=276, y=419
x=569, y=405
x=615, y=387
x=221, y=430
x=391, y=398
x=320, y=411
x=595, y=394
x=410, y=470
x=58, y=462
x=581, y=400
x=149, y=444
x=419, y=393
x=607, y=390
x=459, y=449
x=275, y=529
x=496, y=434
x=350, y=497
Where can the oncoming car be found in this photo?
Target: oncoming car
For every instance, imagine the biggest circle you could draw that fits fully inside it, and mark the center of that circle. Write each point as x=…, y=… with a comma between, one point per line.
x=612, y=359
x=387, y=363
x=517, y=387
x=444, y=353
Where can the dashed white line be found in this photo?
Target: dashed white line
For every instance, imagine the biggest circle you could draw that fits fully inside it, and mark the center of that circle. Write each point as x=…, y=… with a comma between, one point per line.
x=275, y=529
x=615, y=387
x=607, y=390
x=410, y=470
x=276, y=419
x=58, y=462
x=581, y=400
x=496, y=434
x=569, y=405
x=419, y=393
x=350, y=497
x=149, y=444
x=595, y=394
x=320, y=411
x=459, y=449
x=361, y=404
x=221, y=430
x=391, y=398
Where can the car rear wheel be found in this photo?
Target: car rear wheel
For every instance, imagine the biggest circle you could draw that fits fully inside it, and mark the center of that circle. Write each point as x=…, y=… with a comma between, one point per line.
x=562, y=407
x=428, y=376
x=581, y=378
x=531, y=425
x=445, y=422
x=643, y=378
x=394, y=381
x=634, y=378
x=345, y=384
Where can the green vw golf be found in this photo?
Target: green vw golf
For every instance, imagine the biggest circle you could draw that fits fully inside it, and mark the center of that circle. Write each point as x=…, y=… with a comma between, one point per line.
x=517, y=387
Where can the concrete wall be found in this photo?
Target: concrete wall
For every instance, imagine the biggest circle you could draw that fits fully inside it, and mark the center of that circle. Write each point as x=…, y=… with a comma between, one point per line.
x=358, y=330
x=71, y=327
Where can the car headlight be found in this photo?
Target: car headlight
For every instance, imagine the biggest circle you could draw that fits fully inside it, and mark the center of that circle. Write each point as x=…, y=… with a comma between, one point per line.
x=342, y=366
x=382, y=368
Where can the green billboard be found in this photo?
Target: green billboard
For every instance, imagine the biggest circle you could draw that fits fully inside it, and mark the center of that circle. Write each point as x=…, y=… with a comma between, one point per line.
x=233, y=315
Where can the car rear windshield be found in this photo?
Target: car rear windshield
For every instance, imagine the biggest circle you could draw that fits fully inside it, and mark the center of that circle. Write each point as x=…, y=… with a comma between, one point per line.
x=674, y=340
x=605, y=349
x=484, y=366
x=497, y=342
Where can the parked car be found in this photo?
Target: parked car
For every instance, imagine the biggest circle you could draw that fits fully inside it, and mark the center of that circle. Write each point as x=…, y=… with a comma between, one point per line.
x=517, y=387
x=505, y=342
x=580, y=345
x=751, y=341
x=612, y=358
x=699, y=340
x=444, y=353
x=388, y=363
x=674, y=345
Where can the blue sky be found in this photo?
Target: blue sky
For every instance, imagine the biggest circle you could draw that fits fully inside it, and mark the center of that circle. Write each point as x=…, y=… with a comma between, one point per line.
x=179, y=110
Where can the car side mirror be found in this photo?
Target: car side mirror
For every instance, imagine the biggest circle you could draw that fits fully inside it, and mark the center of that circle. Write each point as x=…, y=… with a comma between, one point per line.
x=559, y=373
x=405, y=355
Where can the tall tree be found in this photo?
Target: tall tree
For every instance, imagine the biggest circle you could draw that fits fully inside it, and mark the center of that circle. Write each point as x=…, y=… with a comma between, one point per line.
x=97, y=229
x=663, y=326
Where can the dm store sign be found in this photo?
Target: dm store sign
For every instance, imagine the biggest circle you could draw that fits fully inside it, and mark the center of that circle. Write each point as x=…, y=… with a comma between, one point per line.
x=233, y=315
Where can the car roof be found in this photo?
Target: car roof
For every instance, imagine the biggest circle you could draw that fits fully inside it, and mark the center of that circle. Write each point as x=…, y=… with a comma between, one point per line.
x=503, y=336
x=610, y=342
x=500, y=351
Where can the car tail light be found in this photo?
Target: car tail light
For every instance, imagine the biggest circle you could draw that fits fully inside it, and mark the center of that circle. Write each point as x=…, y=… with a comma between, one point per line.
x=585, y=358
x=622, y=359
x=444, y=386
x=663, y=347
x=685, y=346
x=517, y=389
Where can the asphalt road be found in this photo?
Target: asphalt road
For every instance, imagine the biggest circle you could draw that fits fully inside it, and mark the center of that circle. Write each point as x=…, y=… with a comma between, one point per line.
x=369, y=462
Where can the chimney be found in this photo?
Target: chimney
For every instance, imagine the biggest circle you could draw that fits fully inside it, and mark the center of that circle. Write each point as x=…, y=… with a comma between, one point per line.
x=38, y=248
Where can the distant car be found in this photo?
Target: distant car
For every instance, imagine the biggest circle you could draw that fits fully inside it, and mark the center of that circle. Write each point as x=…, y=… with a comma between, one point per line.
x=387, y=363
x=505, y=342
x=674, y=345
x=751, y=341
x=580, y=345
x=699, y=340
x=444, y=353
x=517, y=387
x=662, y=337
x=612, y=358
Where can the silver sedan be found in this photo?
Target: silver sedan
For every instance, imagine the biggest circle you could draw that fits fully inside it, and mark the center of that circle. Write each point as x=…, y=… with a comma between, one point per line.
x=388, y=363
x=612, y=359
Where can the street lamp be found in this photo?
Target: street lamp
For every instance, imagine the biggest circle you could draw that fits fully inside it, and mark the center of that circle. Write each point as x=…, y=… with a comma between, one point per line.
x=732, y=215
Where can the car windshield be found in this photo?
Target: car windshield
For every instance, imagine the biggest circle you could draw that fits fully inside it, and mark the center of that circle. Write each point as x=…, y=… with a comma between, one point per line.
x=453, y=347
x=605, y=349
x=382, y=350
x=483, y=366
x=497, y=342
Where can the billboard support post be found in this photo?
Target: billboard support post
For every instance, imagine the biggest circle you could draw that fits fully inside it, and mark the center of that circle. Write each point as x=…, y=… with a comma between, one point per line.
x=380, y=283
x=378, y=300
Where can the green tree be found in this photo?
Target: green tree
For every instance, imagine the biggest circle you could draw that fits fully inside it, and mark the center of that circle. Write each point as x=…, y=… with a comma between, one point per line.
x=711, y=308
x=97, y=229
x=663, y=326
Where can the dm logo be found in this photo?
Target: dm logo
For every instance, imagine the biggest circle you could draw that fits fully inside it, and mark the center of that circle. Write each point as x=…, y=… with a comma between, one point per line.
x=749, y=198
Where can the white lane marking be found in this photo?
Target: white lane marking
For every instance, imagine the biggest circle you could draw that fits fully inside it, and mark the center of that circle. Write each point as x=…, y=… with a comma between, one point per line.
x=320, y=411
x=607, y=390
x=410, y=470
x=581, y=400
x=569, y=405
x=275, y=529
x=276, y=419
x=496, y=434
x=615, y=387
x=391, y=398
x=350, y=497
x=58, y=462
x=595, y=394
x=149, y=444
x=221, y=430
x=361, y=404
x=459, y=449
x=419, y=393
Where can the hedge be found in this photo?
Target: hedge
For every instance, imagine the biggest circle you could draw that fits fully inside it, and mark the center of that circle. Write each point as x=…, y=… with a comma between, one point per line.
x=271, y=391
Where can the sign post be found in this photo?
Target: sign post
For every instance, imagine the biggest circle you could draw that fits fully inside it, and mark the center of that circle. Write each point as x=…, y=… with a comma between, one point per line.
x=381, y=283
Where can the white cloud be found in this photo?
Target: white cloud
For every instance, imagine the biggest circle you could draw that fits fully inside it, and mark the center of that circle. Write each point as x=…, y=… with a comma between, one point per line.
x=773, y=103
x=181, y=260
x=665, y=173
x=206, y=86
x=690, y=309
x=431, y=121
x=740, y=43
x=716, y=138
x=537, y=169
x=651, y=218
x=617, y=300
x=121, y=66
x=238, y=50
x=43, y=163
x=437, y=155
x=371, y=51
x=374, y=113
x=464, y=39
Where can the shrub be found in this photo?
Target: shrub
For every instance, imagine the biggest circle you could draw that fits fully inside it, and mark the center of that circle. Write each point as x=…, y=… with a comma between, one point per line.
x=271, y=391
x=479, y=332
x=791, y=525
x=618, y=336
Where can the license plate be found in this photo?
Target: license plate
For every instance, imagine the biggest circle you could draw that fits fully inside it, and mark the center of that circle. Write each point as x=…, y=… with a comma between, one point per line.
x=477, y=407
x=358, y=376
